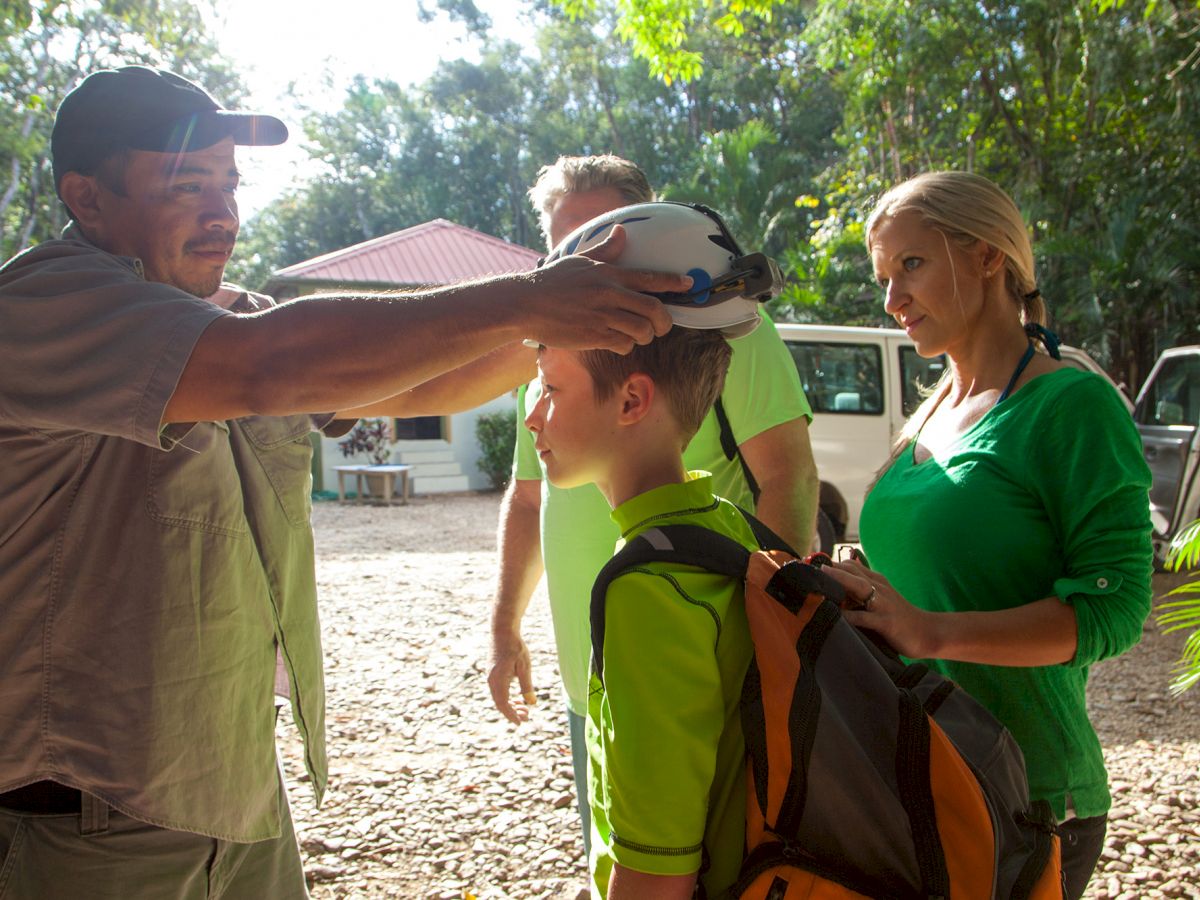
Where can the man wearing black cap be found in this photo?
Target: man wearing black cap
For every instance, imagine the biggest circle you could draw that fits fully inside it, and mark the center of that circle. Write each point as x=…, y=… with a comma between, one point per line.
x=155, y=548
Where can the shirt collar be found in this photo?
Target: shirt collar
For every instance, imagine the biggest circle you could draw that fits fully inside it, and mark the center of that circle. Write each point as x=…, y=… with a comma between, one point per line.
x=72, y=232
x=668, y=500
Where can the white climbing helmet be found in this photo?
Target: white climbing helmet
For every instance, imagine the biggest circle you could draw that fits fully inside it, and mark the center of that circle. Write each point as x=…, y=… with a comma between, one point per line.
x=692, y=240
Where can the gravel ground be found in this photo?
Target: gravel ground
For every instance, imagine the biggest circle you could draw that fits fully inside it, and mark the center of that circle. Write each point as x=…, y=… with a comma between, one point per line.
x=433, y=794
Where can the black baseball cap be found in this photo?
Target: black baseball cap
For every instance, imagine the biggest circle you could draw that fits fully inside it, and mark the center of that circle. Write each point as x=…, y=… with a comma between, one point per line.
x=140, y=108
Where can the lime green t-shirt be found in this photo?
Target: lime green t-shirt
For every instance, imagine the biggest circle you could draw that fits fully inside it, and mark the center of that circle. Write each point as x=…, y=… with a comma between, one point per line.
x=1045, y=496
x=762, y=390
x=666, y=756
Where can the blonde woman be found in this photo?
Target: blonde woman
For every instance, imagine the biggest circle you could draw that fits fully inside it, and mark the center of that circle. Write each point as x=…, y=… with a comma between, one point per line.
x=1009, y=531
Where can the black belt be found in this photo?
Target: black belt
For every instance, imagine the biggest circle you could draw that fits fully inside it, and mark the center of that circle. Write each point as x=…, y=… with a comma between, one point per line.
x=45, y=797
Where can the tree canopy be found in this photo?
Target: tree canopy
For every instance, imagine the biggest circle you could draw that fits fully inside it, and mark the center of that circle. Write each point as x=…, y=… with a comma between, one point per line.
x=788, y=117
x=47, y=48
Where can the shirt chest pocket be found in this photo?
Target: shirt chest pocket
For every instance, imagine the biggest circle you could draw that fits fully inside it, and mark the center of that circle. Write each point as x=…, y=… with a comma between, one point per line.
x=195, y=484
x=276, y=458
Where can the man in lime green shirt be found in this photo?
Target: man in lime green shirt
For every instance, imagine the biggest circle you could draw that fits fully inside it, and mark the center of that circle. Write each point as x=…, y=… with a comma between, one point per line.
x=768, y=415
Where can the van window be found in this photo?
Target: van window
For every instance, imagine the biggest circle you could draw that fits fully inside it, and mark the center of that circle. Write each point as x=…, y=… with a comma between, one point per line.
x=917, y=375
x=840, y=378
x=1173, y=397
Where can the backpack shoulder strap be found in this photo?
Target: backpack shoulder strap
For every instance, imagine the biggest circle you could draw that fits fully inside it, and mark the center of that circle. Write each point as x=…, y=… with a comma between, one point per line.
x=686, y=545
x=694, y=545
x=729, y=445
x=767, y=539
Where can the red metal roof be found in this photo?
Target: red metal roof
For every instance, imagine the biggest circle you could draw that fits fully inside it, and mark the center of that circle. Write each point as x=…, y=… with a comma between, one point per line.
x=437, y=252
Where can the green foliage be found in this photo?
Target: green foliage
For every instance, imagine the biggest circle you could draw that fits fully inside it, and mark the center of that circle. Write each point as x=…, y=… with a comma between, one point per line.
x=15, y=15
x=496, y=433
x=1184, y=612
x=744, y=173
x=1082, y=115
x=47, y=48
x=467, y=144
x=1085, y=113
x=659, y=30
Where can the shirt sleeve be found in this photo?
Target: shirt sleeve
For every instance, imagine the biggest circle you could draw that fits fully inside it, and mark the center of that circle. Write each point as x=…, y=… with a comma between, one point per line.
x=665, y=715
x=1094, y=484
x=526, y=466
x=332, y=427
x=762, y=384
x=88, y=345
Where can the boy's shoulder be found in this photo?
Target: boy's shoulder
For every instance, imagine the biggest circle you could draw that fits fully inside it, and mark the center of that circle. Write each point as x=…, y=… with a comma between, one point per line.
x=690, y=502
x=660, y=597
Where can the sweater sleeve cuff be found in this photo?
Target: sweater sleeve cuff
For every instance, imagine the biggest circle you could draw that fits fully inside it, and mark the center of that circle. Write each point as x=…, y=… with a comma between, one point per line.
x=1095, y=584
x=1095, y=639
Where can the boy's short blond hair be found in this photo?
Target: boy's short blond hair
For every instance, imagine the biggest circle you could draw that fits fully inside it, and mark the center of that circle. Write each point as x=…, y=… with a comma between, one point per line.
x=687, y=365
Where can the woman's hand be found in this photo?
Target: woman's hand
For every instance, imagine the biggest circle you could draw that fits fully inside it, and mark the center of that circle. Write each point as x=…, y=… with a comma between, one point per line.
x=1040, y=633
x=872, y=603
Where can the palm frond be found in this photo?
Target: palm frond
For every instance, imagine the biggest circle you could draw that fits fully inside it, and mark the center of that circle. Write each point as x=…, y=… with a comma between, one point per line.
x=1184, y=552
x=1183, y=612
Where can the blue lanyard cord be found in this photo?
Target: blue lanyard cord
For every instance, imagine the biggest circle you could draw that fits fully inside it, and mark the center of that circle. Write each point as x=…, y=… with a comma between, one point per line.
x=1049, y=338
x=1025, y=358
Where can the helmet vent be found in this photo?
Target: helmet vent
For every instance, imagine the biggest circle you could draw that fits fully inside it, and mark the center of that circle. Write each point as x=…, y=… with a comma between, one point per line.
x=723, y=241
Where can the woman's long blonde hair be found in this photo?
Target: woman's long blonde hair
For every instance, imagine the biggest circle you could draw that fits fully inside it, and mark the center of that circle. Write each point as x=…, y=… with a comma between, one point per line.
x=965, y=208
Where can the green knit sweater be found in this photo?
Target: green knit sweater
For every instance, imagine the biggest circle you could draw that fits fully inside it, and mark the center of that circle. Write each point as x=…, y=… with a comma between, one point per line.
x=1045, y=496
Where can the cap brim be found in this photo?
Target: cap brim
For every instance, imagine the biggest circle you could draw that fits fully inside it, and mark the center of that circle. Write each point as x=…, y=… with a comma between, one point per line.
x=253, y=129
x=203, y=129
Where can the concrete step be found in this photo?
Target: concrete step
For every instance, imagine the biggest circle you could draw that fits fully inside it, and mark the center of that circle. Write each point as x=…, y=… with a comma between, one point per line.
x=440, y=484
x=420, y=457
x=436, y=469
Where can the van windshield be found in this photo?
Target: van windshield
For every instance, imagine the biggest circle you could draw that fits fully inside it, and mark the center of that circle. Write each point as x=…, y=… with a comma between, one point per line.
x=1173, y=397
x=917, y=376
x=840, y=378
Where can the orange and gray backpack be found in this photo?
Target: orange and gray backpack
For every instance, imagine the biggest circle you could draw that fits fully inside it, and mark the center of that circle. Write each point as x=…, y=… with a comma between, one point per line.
x=866, y=776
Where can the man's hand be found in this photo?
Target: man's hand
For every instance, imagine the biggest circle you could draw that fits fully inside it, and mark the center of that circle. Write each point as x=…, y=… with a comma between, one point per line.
x=584, y=302
x=510, y=659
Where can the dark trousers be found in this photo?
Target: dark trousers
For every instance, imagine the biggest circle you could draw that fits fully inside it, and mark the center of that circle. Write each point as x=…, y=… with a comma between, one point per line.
x=1082, y=843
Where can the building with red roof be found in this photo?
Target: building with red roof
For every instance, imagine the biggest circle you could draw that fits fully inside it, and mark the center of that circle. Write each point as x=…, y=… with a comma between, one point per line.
x=433, y=253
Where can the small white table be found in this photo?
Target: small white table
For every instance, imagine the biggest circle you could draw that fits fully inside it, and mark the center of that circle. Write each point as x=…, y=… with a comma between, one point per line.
x=387, y=473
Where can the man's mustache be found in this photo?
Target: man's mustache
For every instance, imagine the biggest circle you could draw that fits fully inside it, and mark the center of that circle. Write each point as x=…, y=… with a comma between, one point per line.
x=222, y=244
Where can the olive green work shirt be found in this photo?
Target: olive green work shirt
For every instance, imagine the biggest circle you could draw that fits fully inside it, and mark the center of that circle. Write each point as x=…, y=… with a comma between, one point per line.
x=147, y=573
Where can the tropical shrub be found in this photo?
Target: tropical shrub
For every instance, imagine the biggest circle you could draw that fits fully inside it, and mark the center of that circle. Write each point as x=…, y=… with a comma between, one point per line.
x=497, y=436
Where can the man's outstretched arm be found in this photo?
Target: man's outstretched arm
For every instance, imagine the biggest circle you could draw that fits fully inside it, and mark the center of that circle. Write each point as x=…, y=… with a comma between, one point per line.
x=349, y=352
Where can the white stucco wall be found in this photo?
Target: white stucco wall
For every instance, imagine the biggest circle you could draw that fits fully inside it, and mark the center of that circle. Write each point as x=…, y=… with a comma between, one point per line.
x=462, y=443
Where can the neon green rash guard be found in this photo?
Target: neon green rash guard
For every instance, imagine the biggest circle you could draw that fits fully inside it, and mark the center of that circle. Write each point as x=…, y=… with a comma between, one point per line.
x=666, y=756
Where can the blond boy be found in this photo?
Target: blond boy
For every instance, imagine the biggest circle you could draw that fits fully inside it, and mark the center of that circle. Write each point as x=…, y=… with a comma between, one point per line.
x=666, y=754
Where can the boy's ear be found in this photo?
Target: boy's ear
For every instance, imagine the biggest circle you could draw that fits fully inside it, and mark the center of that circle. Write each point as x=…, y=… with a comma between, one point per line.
x=637, y=396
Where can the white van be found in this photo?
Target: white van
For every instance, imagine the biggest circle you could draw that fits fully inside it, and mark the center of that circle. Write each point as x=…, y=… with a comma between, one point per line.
x=863, y=383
